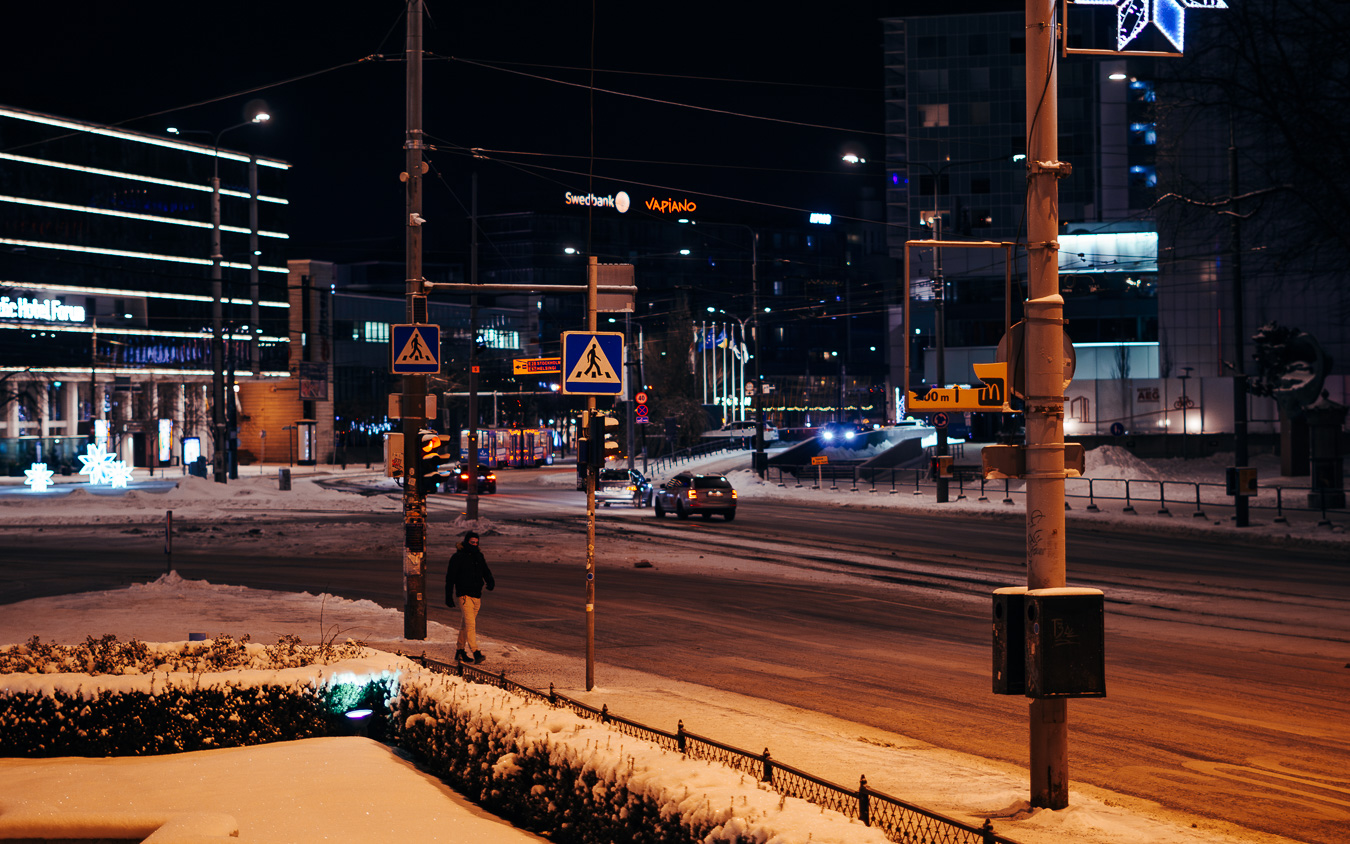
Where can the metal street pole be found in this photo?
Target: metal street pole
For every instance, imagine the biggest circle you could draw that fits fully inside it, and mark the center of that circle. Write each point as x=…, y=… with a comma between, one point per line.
x=1240, y=514
x=217, y=327
x=940, y=335
x=471, y=497
x=414, y=386
x=1044, y=353
x=595, y=451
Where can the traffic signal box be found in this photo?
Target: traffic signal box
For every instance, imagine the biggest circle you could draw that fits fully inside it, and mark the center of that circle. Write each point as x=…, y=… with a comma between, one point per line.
x=431, y=456
x=1049, y=643
x=598, y=444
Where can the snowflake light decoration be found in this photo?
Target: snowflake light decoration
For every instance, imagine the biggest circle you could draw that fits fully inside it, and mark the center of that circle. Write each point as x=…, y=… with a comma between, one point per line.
x=118, y=474
x=96, y=463
x=1169, y=16
x=39, y=477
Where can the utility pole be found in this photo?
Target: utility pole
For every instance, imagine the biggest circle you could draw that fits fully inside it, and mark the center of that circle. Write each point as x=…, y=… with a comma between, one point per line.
x=595, y=452
x=414, y=386
x=471, y=497
x=940, y=337
x=1044, y=353
x=1240, y=514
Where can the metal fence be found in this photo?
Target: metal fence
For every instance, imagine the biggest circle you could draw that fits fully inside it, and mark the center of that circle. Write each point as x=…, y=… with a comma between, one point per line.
x=1133, y=495
x=900, y=821
x=685, y=455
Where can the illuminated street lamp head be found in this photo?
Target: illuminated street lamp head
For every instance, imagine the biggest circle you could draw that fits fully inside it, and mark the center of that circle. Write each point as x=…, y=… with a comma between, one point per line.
x=261, y=117
x=854, y=158
x=684, y=251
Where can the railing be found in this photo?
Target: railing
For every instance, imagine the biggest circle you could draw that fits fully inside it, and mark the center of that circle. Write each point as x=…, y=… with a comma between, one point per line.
x=684, y=455
x=898, y=820
x=1134, y=494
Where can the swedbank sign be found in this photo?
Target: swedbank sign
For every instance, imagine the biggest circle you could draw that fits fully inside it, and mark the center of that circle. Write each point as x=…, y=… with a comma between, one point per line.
x=621, y=202
x=618, y=201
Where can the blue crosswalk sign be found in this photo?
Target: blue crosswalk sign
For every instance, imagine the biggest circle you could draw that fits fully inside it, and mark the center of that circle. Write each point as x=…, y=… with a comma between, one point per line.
x=415, y=349
x=592, y=363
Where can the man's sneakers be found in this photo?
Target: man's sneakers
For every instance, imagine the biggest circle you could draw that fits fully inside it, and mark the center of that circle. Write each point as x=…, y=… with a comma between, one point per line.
x=462, y=656
x=478, y=658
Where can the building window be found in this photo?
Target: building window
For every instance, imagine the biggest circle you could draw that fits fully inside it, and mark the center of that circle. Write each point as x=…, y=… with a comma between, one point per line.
x=933, y=115
x=375, y=332
x=1143, y=176
x=932, y=47
x=977, y=45
x=979, y=184
x=979, y=114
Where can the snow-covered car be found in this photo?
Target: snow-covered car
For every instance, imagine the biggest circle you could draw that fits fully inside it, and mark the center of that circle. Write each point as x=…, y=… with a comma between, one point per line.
x=688, y=493
x=741, y=430
x=627, y=485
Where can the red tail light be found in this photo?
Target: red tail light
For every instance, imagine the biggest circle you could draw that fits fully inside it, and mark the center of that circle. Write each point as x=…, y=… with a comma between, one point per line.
x=692, y=495
x=733, y=494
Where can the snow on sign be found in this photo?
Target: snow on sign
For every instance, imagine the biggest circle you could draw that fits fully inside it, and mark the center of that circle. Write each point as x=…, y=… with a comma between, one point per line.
x=592, y=363
x=415, y=349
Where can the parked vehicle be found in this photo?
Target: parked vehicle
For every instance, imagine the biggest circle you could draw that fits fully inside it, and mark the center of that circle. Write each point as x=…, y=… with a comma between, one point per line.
x=623, y=485
x=741, y=430
x=689, y=493
x=459, y=480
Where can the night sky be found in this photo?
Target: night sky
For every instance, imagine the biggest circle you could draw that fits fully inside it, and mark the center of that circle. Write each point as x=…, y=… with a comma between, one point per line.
x=151, y=64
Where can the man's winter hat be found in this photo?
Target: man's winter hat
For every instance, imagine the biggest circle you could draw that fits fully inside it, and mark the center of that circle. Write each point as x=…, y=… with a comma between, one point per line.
x=470, y=535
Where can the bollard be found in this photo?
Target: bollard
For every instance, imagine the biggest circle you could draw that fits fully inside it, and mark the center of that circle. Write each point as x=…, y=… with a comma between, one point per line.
x=283, y=478
x=1279, y=505
x=916, y=483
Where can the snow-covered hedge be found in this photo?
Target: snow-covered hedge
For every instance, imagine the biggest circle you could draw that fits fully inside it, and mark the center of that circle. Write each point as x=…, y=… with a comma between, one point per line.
x=109, y=698
x=543, y=768
x=578, y=781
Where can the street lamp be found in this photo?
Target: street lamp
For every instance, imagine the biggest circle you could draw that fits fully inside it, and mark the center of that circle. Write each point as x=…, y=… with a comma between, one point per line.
x=217, y=311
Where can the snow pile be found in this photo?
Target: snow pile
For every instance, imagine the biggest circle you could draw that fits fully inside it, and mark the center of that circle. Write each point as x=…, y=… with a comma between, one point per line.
x=1116, y=463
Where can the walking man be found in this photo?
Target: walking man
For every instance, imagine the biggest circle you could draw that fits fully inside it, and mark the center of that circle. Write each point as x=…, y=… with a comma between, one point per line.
x=464, y=582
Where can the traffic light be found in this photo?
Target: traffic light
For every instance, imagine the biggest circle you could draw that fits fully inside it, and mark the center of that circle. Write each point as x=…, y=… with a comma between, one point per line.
x=431, y=458
x=598, y=444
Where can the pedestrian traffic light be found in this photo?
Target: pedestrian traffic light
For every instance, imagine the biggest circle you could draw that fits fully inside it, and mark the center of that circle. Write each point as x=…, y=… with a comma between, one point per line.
x=431, y=458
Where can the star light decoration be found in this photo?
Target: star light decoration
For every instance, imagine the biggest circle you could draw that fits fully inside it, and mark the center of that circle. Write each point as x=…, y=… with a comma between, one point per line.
x=1169, y=16
x=118, y=474
x=96, y=462
x=39, y=477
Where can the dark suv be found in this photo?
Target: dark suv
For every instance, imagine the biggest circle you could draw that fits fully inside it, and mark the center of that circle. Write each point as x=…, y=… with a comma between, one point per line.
x=688, y=493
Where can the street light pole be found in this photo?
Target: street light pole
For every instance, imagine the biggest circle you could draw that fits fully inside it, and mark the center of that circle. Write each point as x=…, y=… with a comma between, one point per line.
x=218, y=421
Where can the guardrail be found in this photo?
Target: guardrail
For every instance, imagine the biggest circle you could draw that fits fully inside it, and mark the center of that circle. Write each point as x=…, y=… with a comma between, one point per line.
x=1133, y=493
x=898, y=820
x=685, y=455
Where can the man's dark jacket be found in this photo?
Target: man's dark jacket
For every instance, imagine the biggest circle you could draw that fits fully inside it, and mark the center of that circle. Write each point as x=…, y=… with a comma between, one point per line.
x=467, y=574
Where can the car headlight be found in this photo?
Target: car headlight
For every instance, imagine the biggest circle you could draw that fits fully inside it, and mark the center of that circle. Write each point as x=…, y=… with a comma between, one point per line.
x=828, y=435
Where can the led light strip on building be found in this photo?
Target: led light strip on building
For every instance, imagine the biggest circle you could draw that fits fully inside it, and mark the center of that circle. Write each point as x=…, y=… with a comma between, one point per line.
x=123, y=253
x=152, y=218
x=137, y=137
x=38, y=327
x=143, y=294
x=83, y=371
x=118, y=174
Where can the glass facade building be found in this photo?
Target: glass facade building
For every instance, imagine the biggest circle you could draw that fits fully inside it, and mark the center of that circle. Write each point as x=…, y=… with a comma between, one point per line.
x=106, y=305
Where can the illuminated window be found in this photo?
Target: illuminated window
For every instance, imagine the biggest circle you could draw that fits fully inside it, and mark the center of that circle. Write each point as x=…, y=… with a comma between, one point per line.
x=933, y=115
x=1143, y=133
x=376, y=332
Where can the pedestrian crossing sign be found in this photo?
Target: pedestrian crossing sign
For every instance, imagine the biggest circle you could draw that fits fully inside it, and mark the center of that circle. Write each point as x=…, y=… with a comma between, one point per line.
x=415, y=349
x=592, y=363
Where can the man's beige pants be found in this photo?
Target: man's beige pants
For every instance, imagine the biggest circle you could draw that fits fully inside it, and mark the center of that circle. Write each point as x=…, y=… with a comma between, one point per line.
x=468, y=636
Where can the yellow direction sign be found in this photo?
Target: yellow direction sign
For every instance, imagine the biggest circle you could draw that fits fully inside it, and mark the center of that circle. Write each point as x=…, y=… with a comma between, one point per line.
x=819, y=460
x=992, y=397
x=537, y=366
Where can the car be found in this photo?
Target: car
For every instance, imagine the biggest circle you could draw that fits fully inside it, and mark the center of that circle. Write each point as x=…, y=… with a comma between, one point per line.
x=458, y=480
x=623, y=485
x=841, y=433
x=688, y=493
x=744, y=429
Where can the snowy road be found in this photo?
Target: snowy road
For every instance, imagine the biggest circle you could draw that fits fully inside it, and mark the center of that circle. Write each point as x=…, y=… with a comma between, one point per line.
x=1225, y=660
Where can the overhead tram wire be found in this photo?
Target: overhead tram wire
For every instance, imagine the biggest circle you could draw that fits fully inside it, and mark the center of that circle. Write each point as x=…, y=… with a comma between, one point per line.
x=659, y=101
x=718, y=79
